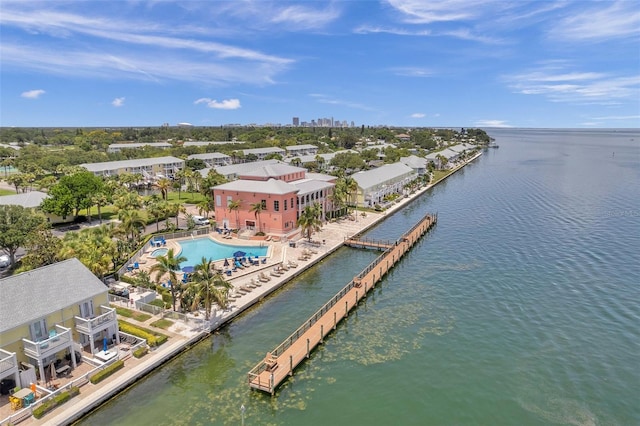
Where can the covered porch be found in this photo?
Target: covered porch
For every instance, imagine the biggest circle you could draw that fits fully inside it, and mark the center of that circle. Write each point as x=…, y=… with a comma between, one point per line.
x=104, y=326
x=45, y=352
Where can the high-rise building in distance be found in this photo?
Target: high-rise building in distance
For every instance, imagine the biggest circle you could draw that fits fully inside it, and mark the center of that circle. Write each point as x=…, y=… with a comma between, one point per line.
x=296, y=121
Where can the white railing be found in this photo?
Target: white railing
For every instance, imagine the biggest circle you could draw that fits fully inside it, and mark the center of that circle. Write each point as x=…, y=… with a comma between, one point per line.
x=93, y=325
x=51, y=345
x=8, y=361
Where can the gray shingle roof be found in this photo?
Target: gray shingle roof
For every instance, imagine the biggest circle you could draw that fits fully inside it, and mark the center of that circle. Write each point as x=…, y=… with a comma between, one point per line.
x=274, y=170
x=298, y=147
x=27, y=200
x=309, y=185
x=31, y=295
x=414, y=162
x=374, y=177
x=208, y=155
x=271, y=186
x=267, y=150
x=241, y=168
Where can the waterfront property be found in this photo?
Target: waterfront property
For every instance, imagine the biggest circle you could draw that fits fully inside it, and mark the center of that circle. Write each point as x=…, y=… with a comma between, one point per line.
x=149, y=168
x=280, y=362
x=51, y=313
x=375, y=184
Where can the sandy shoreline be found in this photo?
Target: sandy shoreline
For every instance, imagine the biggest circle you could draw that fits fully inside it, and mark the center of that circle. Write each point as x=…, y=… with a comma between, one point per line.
x=183, y=336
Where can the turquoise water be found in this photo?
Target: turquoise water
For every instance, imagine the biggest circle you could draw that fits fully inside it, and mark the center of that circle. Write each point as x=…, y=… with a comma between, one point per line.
x=521, y=307
x=159, y=252
x=195, y=249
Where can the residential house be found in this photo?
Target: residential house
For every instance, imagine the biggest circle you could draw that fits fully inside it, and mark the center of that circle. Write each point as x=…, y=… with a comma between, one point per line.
x=403, y=137
x=32, y=200
x=299, y=150
x=149, y=168
x=418, y=164
x=375, y=184
x=232, y=171
x=207, y=143
x=118, y=147
x=52, y=312
x=262, y=153
x=212, y=159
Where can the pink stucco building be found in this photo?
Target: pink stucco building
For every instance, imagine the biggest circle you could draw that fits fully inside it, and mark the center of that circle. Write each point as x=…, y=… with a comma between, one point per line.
x=283, y=190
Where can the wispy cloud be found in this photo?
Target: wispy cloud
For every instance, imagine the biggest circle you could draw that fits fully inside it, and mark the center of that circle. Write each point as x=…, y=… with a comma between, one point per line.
x=118, y=42
x=224, y=104
x=325, y=99
x=424, y=12
x=33, y=94
x=492, y=123
x=304, y=17
x=412, y=72
x=618, y=117
x=369, y=29
x=592, y=22
x=560, y=85
x=418, y=115
x=118, y=102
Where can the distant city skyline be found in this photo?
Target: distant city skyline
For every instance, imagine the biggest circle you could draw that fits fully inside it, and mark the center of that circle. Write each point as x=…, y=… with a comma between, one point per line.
x=404, y=63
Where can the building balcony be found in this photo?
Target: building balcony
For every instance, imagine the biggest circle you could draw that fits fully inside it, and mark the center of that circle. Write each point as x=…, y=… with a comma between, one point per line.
x=8, y=363
x=59, y=338
x=91, y=326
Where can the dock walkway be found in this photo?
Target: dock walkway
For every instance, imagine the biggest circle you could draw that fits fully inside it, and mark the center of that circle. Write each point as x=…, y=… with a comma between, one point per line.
x=280, y=362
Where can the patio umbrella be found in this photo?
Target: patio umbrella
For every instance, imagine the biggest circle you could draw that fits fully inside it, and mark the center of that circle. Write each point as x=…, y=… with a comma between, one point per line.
x=226, y=262
x=104, y=345
x=239, y=254
x=188, y=269
x=54, y=376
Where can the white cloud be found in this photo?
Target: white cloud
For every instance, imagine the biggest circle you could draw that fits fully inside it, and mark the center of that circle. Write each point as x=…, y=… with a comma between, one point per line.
x=224, y=104
x=559, y=85
x=302, y=17
x=617, y=20
x=492, y=123
x=425, y=12
x=33, y=94
x=118, y=102
x=619, y=117
x=418, y=115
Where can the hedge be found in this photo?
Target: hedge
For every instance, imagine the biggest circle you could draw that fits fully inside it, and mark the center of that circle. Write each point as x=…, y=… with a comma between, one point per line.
x=140, y=352
x=152, y=338
x=101, y=375
x=52, y=403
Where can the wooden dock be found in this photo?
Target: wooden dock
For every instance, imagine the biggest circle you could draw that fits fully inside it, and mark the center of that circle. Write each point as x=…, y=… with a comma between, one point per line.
x=368, y=243
x=281, y=361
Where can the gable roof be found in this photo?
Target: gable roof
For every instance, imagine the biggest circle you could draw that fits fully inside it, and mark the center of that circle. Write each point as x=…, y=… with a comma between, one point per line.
x=274, y=170
x=299, y=147
x=208, y=155
x=374, y=177
x=27, y=200
x=241, y=168
x=267, y=150
x=414, y=162
x=138, y=162
x=31, y=295
x=271, y=186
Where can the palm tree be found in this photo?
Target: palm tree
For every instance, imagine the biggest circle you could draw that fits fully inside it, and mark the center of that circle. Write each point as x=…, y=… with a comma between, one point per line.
x=204, y=207
x=100, y=199
x=310, y=221
x=351, y=186
x=169, y=264
x=131, y=223
x=234, y=205
x=154, y=209
x=208, y=287
x=164, y=185
x=258, y=208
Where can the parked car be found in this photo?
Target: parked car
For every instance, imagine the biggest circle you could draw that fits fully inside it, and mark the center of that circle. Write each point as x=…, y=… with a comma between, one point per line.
x=4, y=261
x=200, y=220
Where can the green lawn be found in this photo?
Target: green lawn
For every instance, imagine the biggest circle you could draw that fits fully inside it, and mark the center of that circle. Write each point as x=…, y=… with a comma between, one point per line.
x=185, y=197
x=6, y=192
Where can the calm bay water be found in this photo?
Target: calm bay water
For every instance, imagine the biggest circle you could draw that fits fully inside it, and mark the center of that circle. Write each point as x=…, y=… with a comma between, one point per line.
x=521, y=307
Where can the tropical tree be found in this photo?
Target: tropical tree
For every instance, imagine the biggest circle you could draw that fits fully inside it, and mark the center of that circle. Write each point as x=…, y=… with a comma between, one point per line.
x=205, y=206
x=208, y=287
x=72, y=193
x=99, y=200
x=154, y=208
x=234, y=205
x=131, y=223
x=42, y=249
x=351, y=187
x=310, y=221
x=94, y=247
x=169, y=264
x=164, y=185
x=17, y=224
x=257, y=209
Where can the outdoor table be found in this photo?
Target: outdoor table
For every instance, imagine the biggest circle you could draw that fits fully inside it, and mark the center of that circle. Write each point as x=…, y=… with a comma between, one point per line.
x=106, y=356
x=62, y=370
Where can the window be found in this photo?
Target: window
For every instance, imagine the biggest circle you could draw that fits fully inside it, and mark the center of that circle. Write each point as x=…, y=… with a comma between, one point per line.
x=218, y=201
x=86, y=309
x=276, y=205
x=291, y=202
x=264, y=204
x=285, y=204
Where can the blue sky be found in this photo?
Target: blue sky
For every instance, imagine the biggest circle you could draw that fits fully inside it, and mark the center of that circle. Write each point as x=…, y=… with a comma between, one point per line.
x=472, y=63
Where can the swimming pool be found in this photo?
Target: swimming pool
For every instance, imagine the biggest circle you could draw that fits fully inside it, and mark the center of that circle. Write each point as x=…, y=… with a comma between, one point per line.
x=159, y=252
x=195, y=249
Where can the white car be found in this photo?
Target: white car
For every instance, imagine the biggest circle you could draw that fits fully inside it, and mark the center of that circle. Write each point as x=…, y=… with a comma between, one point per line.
x=4, y=261
x=200, y=220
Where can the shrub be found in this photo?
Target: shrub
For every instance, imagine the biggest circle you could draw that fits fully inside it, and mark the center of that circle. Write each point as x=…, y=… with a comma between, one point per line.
x=162, y=323
x=140, y=352
x=101, y=375
x=52, y=403
x=157, y=302
x=153, y=338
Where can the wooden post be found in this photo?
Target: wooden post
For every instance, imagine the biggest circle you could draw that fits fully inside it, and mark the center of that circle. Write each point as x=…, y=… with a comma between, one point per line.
x=308, y=347
x=321, y=336
x=356, y=298
x=291, y=365
x=346, y=309
x=335, y=322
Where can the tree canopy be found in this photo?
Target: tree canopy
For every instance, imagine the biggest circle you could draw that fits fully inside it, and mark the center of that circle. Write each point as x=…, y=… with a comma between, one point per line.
x=73, y=193
x=17, y=224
